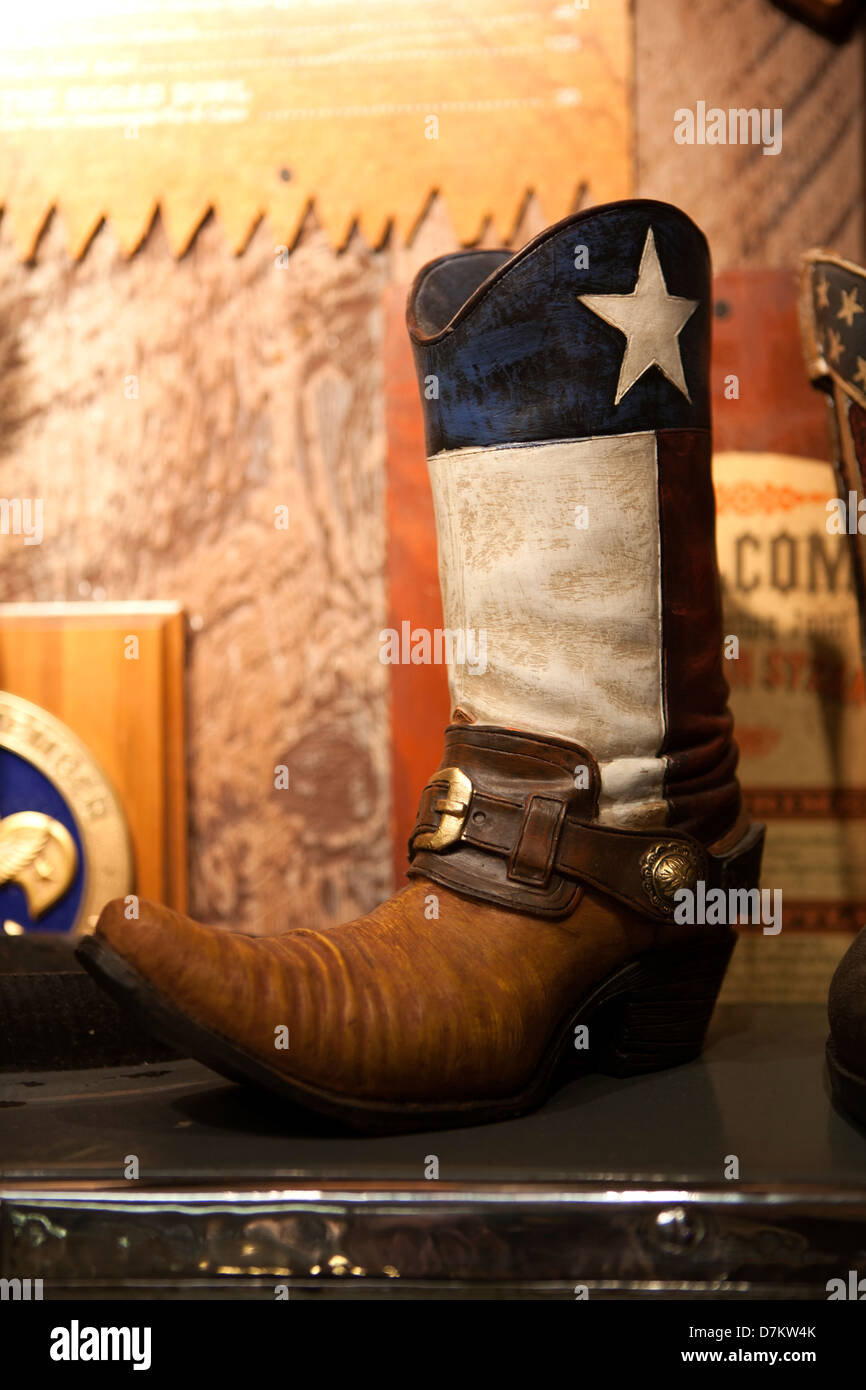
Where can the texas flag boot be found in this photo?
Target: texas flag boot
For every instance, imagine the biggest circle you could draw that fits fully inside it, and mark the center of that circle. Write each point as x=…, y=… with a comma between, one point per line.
x=587, y=793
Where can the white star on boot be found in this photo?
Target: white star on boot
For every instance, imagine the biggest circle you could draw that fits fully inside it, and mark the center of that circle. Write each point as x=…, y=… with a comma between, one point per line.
x=651, y=320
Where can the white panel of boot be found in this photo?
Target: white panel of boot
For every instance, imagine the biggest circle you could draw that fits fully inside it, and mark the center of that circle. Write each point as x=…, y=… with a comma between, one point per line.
x=550, y=567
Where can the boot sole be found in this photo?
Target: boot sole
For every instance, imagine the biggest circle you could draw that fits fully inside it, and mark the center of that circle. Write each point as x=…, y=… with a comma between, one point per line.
x=650, y=1014
x=848, y=1087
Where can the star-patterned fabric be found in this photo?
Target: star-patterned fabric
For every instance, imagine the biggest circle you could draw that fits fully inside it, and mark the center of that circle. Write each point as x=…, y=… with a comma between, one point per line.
x=833, y=320
x=838, y=305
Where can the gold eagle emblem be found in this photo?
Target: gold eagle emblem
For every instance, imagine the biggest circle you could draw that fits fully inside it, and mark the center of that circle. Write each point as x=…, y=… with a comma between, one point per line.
x=38, y=853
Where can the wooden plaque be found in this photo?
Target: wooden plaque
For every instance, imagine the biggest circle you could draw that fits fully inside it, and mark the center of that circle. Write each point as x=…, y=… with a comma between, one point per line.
x=112, y=674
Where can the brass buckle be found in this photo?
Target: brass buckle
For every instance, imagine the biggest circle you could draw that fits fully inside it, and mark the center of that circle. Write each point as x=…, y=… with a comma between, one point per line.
x=452, y=808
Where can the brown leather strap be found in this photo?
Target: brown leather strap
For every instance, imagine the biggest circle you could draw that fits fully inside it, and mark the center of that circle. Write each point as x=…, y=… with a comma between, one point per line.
x=511, y=818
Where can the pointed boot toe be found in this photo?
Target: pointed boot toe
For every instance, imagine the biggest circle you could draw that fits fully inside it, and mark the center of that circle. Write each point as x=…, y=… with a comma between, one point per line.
x=402, y=1020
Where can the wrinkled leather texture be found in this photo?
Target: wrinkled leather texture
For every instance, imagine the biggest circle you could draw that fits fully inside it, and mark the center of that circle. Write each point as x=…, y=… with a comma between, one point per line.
x=394, y=1006
x=847, y=1006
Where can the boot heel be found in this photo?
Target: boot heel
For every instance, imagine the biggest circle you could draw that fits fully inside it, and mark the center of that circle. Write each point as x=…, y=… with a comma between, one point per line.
x=661, y=1017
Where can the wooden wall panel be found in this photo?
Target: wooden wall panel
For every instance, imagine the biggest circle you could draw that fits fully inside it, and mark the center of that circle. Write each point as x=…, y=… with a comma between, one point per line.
x=757, y=210
x=756, y=338
x=256, y=386
x=419, y=694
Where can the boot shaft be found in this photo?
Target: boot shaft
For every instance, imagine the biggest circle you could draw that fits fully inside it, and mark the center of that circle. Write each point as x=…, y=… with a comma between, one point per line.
x=519, y=357
x=566, y=401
